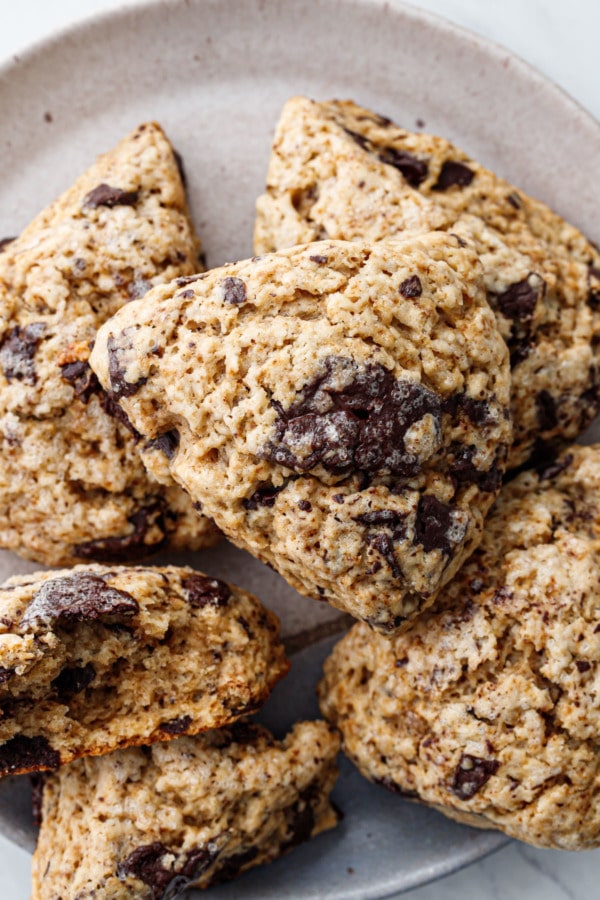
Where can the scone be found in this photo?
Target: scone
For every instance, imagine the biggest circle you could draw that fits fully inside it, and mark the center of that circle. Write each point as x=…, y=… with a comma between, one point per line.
x=340, y=410
x=487, y=707
x=72, y=485
x=148, y=822
x=340, y=171
x=95, y=658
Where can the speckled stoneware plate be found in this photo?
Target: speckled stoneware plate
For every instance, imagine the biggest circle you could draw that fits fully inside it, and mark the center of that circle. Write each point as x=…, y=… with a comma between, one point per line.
x=215, y=74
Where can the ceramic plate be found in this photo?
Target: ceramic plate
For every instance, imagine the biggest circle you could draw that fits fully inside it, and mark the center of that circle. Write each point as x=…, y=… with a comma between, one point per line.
x=215, y=74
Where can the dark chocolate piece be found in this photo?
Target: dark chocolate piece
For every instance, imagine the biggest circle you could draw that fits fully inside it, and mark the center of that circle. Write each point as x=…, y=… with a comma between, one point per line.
x=176, y=726
x=413, y=169
x=119, y=386
x=105, y=195
x=546, y=411
x=433, y=523
x=22, y=753
x=453, y=173
x=83, y=379
x=73, y=681
x=234, y=291
x=145, y=864
x=79, y=597
x=471, y=774
x=204, y=591
x=17, y=351
x=583, y=665
x=166, y=443
x=317, y=258
x=518, y=301
x=411, y=287
x=126, y=547
x=262, y=496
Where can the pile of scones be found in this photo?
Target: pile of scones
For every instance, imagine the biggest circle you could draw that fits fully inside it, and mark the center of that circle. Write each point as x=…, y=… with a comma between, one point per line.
x=381, y=406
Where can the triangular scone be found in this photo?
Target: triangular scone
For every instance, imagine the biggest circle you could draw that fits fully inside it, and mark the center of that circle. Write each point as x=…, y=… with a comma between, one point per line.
x=340, y=409
x=149, y=822
x=72, y=485
x=486, y=708
x=94, y=658
x=339, y=171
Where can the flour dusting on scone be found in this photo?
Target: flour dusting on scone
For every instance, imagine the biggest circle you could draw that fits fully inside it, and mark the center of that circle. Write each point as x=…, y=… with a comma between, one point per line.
x=340, y=171
x=487, y=706
x=94, y=658
x=340, y=410
x=148, y=822
x=72, y=484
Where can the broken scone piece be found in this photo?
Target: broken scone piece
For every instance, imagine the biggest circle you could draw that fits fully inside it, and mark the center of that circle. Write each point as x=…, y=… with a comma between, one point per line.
x=340, y=171
x=486, y=708
x=340, y=410
x=72, y=484
x=96, y=658
x=148, y=822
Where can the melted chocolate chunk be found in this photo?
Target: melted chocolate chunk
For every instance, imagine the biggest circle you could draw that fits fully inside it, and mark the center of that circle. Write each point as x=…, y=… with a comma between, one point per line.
x=166, y=443
x=73, y=681
x=395, y=788
x=411, y=287
x=4, y=242
x=388, y=517
x=434, y=524
x=471, y=774
x=304, y=505
x=176, y=726
x=112, y=409
x=384, y=544
x=119, y=386
x=583, y=665
x=105, y=195
x=145, y=865
x=263, y=496
x=302, y=819
x=546, y=411
x=23, y=752
x=234, y=291
x=353, y=418
x=413, y=169
x=18, y=350
x=83, y=379
x=129, y=546
x=453, y=173
x=204, y=591
x=37, y=797
x=518, y=301
x=546, y=471
x=78, y=598
x=465, y=471
x=478, y=411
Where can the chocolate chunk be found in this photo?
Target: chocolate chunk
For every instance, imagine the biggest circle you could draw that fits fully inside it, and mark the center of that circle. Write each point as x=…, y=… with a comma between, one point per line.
x=166, y=443
x=22, y=753
x=384, y=544
x=119, y=386
x=546, y=411
x=583, y=665
x=37, y=797
x=464, y=470
x=514, y=200
x=302, y=819
x=145, y=865
x=478, y=411
x=112, y=409
x=548, y=471
x=77, y=598
x=73, y=681
x=434, y=524
x=518, y=301
x=387, y=517
x=176, y=726
x=105, y=195
x=4, y=242
x=395, y=788
x=5, y=674
x=233, y=865
x=204, y=591
x=234, y=291
x=519, y=351
x=471, y=774
x=414, y=170
x=359, y=139
x=17, y=351
x=453, y=173
x=126, y=547
x=304, y=505
x=83, y=379
x=317, y=258
x=263, y=496
x=411, y=287
x=353, y=418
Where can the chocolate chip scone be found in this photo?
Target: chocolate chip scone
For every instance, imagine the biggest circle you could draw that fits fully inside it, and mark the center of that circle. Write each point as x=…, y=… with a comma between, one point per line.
x=149, y=822
x=72, y=484
x=339, y=409
x=487, y=707
x=94, y=658
x=343, y=172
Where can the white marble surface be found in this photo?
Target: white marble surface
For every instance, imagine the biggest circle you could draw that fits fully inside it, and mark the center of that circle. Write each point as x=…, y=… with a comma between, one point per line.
x=561, y=39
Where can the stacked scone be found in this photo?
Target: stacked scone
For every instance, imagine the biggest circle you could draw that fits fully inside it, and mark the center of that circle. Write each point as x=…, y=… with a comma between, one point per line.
x=345, y=406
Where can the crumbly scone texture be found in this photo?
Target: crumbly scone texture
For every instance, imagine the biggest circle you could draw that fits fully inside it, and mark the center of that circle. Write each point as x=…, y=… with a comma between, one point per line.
x=72, y=484
x=487, y=706
x=340, y=171
x=149, y=822
x=94, y=658
x=340, y=410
